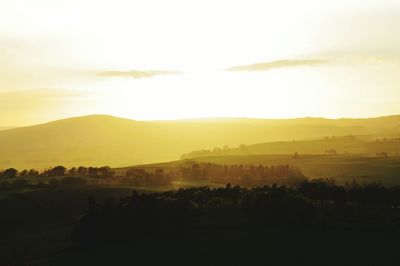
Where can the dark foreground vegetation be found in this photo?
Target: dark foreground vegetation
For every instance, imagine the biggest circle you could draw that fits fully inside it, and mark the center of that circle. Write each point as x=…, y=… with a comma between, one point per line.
x=319, y=204
x=318, y=223
x=266, y=215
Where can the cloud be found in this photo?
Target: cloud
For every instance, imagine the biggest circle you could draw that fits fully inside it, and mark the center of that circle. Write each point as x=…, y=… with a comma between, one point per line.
x=277, y=64
x=137, y=74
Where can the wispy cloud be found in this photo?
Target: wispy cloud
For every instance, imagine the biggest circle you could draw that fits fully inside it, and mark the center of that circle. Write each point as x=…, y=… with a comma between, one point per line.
x=277, y=64
x=137, y=74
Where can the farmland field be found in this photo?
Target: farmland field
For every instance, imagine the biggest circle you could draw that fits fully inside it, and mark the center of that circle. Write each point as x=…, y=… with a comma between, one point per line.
x=342, y=168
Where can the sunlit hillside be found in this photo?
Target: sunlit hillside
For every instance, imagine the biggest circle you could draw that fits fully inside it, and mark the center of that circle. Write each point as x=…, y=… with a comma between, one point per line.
x=106, y=140
x=328, y=145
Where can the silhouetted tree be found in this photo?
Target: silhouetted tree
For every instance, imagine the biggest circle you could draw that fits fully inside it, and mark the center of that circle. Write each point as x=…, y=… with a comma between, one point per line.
x=105, y=171
x=33, y=173
x=72, y=171
x=82, y=170
x=10, y=173
x=58, y=171
x=23, y=173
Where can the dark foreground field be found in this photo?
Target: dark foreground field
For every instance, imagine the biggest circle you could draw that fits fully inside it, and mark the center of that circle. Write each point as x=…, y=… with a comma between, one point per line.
x=243, y=246
x=36, y=224
x=36, y=229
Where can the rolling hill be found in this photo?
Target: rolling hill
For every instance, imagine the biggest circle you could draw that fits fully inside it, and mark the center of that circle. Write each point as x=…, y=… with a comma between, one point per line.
x=328, y=145
x=342, y=168
x=105, y=140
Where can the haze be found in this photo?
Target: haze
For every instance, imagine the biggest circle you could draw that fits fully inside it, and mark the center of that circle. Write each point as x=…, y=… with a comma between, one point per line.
x=227, y=132
x=157, y=60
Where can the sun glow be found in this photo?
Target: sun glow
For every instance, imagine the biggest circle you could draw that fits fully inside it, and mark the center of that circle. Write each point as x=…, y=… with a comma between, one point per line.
x=170, y=59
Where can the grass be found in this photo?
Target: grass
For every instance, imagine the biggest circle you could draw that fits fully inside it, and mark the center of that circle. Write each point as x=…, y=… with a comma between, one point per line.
x=343, y=168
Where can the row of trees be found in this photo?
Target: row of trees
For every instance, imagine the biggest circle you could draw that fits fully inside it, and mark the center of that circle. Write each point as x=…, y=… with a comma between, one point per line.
x=140, y=177
x=100, y=172
x=20, y=183
x=245, y=175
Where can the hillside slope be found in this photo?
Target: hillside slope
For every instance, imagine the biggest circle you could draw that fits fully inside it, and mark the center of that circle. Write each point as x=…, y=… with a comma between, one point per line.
x=342, y=168
x=327, y=145
x=106, y=140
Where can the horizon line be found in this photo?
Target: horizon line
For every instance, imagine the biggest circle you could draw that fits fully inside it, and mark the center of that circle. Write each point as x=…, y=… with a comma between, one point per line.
x=188, y=119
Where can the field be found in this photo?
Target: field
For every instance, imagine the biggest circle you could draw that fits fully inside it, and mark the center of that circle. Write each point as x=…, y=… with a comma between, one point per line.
x=366, y=144
x=245, y=246
x=342, y=168
x=38, y=224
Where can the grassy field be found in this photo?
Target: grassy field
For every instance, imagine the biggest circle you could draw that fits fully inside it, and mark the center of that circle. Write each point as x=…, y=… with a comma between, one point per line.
x=341, y=145
x=343, y=168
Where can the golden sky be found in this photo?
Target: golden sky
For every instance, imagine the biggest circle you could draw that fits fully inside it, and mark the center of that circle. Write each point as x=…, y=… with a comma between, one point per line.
x=175, y=59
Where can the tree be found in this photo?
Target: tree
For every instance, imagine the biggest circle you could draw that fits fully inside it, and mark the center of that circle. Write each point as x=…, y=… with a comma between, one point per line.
x=72, y=171
x=159, y=172
x=33, y=173
x=58, y=171
x=134, y=172
x=10, y=173
x=105, y=171
x=92, y=171
x=24, y=173
x=82, y=170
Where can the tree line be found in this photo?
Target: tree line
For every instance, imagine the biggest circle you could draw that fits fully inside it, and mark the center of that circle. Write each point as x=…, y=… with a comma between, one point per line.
x=100, y=172
x=248, y=175
x=317, y=204
x=244, y=175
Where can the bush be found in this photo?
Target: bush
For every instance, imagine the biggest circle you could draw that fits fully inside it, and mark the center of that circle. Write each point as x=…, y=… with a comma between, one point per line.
x=73, y=181
x=20, y=183
x=5, y=185
x=54, y=182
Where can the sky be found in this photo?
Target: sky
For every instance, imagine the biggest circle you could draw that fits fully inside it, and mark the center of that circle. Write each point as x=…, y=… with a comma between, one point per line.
x=156, y=60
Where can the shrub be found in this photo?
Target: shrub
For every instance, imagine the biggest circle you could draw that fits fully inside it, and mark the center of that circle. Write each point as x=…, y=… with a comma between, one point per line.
x=54, y=182
x=73, y=181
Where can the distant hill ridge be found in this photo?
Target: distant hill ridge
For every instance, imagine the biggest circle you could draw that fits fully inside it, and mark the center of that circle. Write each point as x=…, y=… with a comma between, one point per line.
x=106, y=140
x=361, y=145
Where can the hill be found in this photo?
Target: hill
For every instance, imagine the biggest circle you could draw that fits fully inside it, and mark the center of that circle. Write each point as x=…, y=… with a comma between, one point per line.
x=342, y=168
x=327, y=145
x=105, y=140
